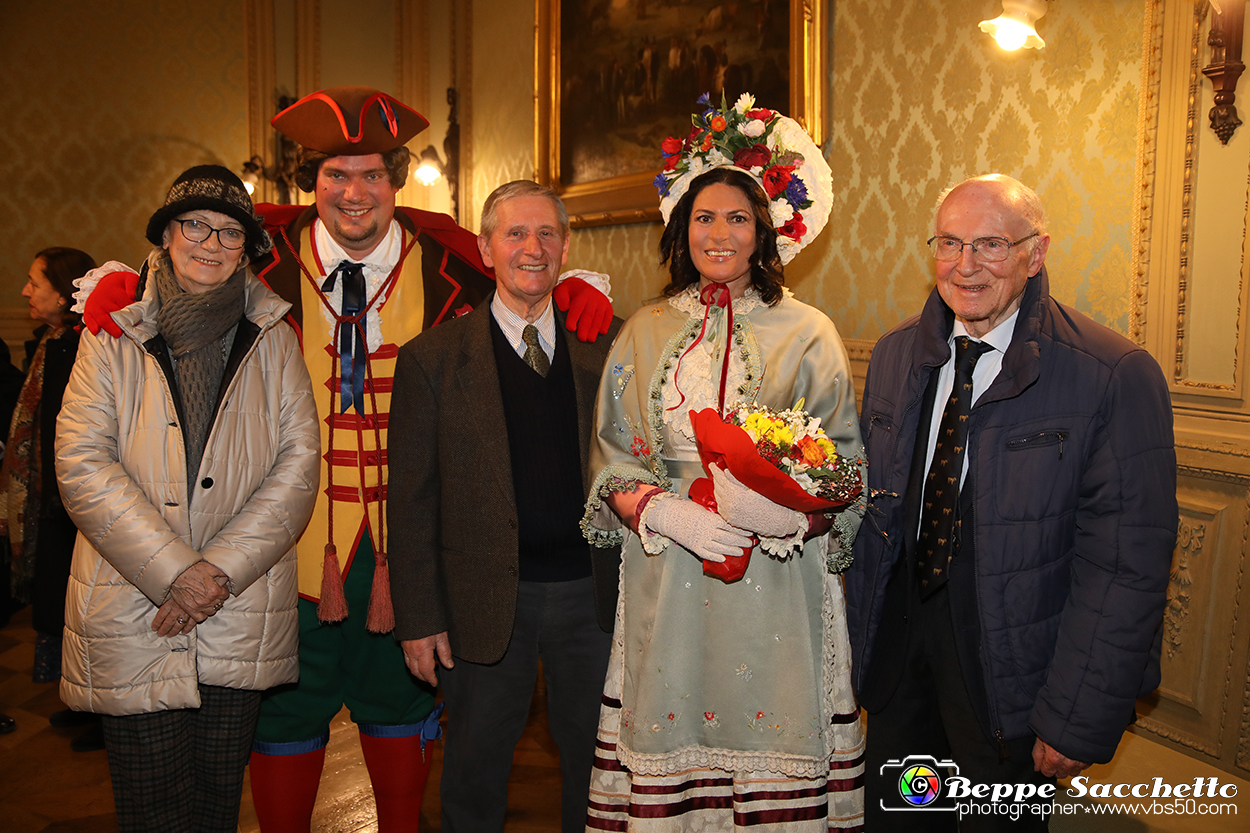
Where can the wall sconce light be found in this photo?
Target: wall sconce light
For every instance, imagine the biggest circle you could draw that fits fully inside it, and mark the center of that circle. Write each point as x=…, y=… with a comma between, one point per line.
x=1014, y=28
x=282, y=172
x=430, y=166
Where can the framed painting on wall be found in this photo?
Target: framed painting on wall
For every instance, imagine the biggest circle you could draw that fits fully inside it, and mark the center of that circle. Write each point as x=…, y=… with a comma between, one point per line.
x=614, y=77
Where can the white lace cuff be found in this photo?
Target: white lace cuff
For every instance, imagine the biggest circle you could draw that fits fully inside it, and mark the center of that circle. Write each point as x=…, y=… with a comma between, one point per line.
x=653, y=543
x=598, y=280
x=784, y=546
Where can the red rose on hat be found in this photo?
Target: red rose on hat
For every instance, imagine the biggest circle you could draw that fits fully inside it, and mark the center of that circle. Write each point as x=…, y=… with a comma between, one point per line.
x=755, y=156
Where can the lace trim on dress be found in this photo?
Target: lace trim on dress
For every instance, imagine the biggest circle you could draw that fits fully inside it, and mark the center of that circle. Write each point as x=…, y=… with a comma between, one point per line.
x=687, y=301
x=845, y=736
x=700, y=378
x=703, y=757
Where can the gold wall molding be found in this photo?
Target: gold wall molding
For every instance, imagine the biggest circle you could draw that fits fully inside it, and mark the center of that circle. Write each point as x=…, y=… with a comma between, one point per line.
x=1144, y=176
x=1191, y=145
x=1194, y=339
x=1227, y=448
x=462, y=66
x=262, y=85
x=307, y=47
x=1175, y=735
x=412, y=61
x=1175, y=616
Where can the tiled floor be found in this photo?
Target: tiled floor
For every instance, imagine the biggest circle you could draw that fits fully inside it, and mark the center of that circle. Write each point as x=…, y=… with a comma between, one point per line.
x=46, y=788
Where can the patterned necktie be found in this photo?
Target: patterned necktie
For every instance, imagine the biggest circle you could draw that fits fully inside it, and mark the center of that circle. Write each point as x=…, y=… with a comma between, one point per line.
x=939, y=524
x=535, y=356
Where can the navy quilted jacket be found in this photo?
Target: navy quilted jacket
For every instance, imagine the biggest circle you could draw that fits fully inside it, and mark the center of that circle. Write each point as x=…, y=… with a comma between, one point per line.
x=1074, y=517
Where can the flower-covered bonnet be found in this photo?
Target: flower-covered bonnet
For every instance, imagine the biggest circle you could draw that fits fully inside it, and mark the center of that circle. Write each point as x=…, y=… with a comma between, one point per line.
x=771, y=148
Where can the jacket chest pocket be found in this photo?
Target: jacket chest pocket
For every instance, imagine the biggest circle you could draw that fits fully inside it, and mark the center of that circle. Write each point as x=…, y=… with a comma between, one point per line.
x=1036, y=471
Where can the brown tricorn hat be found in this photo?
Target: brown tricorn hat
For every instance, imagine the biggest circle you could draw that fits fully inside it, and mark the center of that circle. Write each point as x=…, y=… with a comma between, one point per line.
x=350, y=121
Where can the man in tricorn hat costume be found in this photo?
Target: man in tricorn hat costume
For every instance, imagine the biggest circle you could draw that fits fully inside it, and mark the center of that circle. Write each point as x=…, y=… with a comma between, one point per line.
x=364, y=276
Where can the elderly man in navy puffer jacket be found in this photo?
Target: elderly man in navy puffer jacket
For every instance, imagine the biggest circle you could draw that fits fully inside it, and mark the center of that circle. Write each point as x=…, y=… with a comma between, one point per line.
x=1010, y=578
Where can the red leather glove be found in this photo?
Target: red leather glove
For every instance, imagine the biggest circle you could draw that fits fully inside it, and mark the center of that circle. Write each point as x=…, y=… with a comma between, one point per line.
x=589, y=310
x=115, y=291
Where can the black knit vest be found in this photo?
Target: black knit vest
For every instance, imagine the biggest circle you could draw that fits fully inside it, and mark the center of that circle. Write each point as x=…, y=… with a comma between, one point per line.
x=541, y=414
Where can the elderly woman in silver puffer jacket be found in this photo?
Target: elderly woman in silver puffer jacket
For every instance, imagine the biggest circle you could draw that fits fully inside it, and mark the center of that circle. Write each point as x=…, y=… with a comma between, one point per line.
x=187, y=455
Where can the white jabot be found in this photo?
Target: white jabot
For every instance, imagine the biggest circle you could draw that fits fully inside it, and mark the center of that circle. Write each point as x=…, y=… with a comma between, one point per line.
x=378, y=265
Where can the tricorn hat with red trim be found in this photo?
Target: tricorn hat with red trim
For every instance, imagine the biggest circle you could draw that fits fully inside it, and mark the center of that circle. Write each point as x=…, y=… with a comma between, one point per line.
x=350, y=121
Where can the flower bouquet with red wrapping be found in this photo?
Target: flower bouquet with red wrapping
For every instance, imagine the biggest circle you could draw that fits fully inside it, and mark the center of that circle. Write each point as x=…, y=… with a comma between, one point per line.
x=783, y=455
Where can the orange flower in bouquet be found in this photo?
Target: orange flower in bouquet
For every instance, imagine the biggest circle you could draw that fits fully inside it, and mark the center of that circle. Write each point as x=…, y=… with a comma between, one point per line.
x=783, y=455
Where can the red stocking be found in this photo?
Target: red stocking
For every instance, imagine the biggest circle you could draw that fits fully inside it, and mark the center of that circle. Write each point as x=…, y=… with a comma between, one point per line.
x=284, y=790
x=398, y=770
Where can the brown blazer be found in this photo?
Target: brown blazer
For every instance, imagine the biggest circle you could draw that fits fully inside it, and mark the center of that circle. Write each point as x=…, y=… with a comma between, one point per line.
x=451, y=510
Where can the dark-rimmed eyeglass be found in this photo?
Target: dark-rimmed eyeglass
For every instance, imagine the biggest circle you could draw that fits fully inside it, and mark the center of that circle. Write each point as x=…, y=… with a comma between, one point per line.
x=984, y=249
x=197, y=231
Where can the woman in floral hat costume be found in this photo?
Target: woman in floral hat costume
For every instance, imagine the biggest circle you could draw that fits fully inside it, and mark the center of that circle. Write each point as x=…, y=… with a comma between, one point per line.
x=728, y=703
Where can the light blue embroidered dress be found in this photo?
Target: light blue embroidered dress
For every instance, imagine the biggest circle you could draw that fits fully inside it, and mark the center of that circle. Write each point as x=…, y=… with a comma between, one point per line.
x=751, y=676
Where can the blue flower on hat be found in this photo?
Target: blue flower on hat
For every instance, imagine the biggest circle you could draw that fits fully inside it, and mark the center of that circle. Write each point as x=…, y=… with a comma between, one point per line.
x=796, y=193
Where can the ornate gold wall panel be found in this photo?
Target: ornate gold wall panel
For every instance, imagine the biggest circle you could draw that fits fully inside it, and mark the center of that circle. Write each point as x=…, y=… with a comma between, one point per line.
x=1198, y=705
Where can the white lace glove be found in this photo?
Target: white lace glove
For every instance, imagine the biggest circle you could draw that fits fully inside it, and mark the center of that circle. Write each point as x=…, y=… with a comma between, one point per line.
x=703, y=532
x=749, y=510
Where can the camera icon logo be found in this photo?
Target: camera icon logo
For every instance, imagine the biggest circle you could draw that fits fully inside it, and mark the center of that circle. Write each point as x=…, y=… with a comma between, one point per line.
x=920, y=779
x=920, y=785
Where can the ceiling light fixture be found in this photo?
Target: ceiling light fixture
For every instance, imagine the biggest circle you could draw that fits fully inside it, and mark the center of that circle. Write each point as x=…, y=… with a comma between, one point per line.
x=1014, y=28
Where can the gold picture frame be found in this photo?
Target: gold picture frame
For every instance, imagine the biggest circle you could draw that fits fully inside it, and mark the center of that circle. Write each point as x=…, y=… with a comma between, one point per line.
x=631, y=197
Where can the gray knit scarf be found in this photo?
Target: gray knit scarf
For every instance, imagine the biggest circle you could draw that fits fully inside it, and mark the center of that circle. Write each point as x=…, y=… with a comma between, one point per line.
x=199, y=331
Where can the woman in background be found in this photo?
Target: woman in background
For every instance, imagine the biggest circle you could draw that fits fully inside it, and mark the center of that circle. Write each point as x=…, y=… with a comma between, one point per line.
x=41, y=534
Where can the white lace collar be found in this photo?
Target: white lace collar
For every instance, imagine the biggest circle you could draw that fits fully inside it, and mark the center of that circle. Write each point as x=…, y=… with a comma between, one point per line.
x=687, y=301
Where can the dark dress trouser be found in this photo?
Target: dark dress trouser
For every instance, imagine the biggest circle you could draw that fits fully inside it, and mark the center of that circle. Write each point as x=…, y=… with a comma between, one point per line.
x=931, y=713
x=487, y=706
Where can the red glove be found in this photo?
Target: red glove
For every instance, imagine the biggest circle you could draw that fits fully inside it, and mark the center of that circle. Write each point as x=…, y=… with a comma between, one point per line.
x=589, y=310
x=115, y=291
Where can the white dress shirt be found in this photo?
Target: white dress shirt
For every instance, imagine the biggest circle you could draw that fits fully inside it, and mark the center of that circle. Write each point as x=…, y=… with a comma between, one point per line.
x=513, y=325
x=983, y=375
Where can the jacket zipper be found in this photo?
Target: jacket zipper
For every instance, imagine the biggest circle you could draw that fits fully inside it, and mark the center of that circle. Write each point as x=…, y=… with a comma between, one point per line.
x=1003, y=751
x=1041, y=438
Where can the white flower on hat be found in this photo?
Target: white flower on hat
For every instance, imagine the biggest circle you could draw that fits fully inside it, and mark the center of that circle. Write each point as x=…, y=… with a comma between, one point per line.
x=746, y=101
x=754, y=128
x=780, y=213
x=786, y=248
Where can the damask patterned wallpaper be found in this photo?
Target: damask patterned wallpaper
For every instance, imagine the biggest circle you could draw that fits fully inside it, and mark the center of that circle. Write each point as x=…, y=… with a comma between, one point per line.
x=106, y=110
x=501, y=111
x=102, y=110
x=919, y=99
